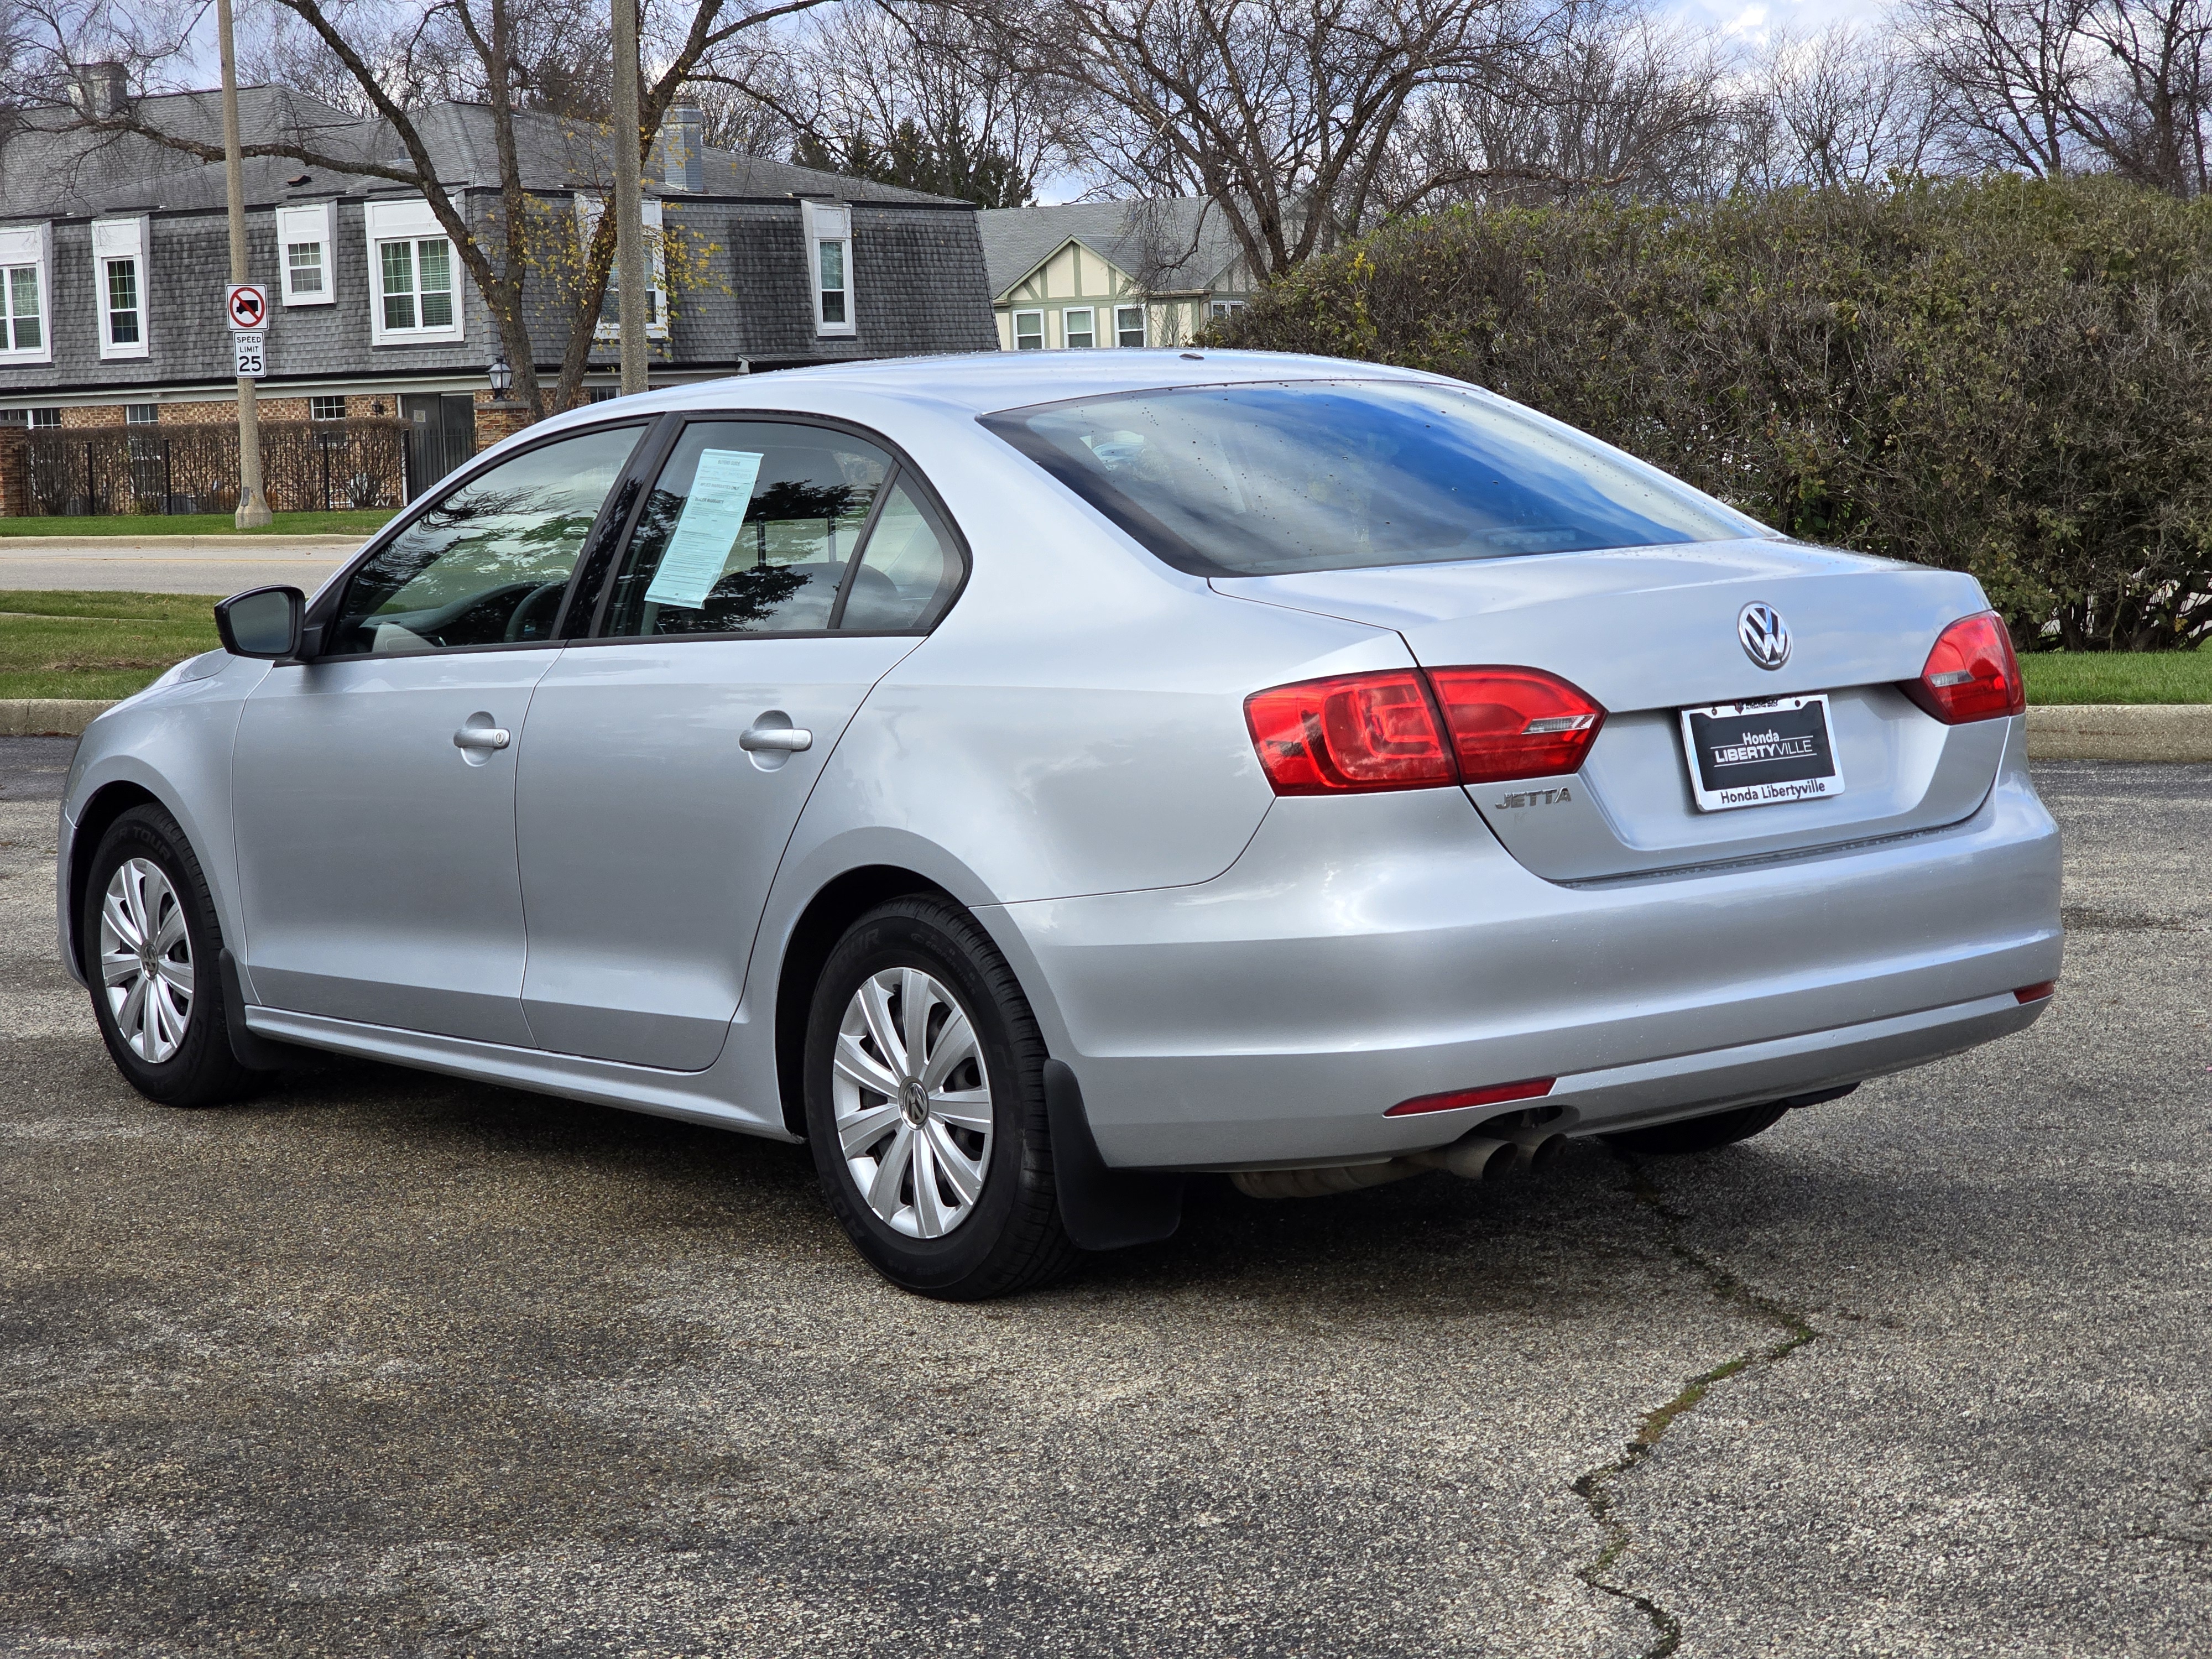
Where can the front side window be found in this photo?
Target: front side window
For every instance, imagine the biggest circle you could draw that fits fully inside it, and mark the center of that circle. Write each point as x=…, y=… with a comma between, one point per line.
x=1266, y=479
x=122, y=301
x=45, y=420
x=1029, y=331
x=24, y=320
x=1226, y=309
x=749, y=529
x=417, y=278
x=142, y=414
x=488, y=563
x=327, y=408
x=1129, y=325
x=1077, y=329
x=304, y=266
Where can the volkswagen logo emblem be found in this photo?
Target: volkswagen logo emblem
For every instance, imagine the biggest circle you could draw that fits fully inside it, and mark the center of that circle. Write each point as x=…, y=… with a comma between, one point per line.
x=1766, y=640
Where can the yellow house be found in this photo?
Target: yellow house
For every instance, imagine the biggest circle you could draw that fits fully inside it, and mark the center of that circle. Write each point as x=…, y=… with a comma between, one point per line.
x=1097, y=274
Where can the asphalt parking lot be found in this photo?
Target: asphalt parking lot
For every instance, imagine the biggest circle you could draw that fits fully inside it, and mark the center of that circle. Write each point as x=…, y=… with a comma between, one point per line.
x=383, y=1363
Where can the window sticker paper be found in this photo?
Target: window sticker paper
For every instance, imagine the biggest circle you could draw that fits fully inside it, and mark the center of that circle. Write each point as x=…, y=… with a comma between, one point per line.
x=706, y=530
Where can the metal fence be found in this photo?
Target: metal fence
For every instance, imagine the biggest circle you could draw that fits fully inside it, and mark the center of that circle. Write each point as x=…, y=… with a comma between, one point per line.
x=306, y=467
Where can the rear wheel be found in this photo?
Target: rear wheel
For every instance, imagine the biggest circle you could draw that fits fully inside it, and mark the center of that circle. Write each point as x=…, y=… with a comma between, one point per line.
x=925, y=1107
x=152, y=944
x=1701, y=1135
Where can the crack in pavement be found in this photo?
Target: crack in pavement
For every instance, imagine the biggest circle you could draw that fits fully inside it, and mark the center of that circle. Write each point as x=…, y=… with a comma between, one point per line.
x=1598, y=1487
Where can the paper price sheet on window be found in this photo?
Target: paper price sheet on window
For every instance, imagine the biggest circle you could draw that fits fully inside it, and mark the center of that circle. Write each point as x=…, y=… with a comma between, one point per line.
x=707, y=531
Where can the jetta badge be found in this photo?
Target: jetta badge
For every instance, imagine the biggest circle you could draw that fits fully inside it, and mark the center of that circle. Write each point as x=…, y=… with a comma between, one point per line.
x=1766, y=640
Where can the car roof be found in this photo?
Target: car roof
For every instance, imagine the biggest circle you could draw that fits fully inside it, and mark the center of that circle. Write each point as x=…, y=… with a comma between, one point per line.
x=980, y=383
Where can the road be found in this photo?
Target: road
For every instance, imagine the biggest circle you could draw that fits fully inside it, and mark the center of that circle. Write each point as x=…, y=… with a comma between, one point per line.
x=108, y=564
x=388, y=1365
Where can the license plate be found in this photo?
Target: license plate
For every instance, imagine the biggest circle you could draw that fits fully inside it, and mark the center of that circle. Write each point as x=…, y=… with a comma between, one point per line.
x=1757, y=754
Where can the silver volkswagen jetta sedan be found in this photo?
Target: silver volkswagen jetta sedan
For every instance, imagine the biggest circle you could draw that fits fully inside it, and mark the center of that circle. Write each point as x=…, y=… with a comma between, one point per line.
x=1030, y=780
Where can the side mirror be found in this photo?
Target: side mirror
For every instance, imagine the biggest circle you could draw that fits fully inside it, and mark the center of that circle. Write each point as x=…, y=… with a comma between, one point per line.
x=263, y=622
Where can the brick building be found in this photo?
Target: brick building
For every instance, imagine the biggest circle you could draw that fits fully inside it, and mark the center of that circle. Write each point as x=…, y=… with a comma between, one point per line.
x=114, y=254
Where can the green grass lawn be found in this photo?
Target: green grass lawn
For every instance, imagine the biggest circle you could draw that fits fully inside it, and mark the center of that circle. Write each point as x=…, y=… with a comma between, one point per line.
x=2117, y=676
x=97, y=645
x=333, y=524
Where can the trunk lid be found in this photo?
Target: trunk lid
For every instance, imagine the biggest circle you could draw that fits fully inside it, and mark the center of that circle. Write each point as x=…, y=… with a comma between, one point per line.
x=1651, y=631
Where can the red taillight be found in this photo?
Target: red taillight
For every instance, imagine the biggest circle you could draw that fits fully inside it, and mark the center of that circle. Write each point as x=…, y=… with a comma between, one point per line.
x=2036, y=993
x=1971, y=674
x=1515, y=722
x=1497, y=1095
x=1356, y=732
x=1361, y=731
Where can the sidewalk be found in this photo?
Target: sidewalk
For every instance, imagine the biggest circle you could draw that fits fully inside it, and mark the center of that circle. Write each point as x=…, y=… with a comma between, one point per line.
x=213, y=565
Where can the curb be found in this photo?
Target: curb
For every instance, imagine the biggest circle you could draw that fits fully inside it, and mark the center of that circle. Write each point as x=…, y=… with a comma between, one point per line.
x=49, y=717
x=2120, y=731
x=2112, y=732
x=32, y=544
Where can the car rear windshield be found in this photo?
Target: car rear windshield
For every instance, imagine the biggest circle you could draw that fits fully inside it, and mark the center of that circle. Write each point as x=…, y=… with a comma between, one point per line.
x=1266, y=479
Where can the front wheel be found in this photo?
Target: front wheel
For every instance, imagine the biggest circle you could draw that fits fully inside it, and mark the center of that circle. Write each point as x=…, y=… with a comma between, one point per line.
x=152, y=943
x=925, y=1107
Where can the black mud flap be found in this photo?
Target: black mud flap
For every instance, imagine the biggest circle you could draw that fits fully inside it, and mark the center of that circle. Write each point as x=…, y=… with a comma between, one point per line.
x=1102, y=1208
x=256, y=1053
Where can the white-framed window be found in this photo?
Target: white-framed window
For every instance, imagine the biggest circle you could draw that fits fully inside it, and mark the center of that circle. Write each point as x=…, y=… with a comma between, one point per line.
x=1078, y=328
x=609, y=327
x=327, y=408
x=119, y=285
x=601, y=394
x=1129, y=326
x=142, y=414
x=1029, y=331
x=26, y=280
x=45, y=420
x=1226, y=307
x=830, y=266
x=414, y=279
x=305, y=245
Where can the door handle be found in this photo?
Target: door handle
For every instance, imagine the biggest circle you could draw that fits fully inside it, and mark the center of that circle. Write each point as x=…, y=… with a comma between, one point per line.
x=482, y=737
x=790, y=739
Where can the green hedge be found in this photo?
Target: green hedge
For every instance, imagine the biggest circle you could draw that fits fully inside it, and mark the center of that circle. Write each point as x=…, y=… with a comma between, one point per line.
x=2004, y=376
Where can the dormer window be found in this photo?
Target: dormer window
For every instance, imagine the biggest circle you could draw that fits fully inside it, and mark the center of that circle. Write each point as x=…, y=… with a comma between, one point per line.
x=304, y=235
x=25, y=262
x=588, y=209
x=119, y=275
x=830, y=266
x=415, y=278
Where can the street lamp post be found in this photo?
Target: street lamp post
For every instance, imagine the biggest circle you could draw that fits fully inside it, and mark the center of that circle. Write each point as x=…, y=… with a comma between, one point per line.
x=253, y=504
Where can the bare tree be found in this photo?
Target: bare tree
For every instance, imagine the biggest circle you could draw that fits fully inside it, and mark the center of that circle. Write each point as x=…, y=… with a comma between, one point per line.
x=1282, y=113
x=2006, y=74
x=926, y=94
x=2146, y=113
x=1613, y=103
x=1848, y=109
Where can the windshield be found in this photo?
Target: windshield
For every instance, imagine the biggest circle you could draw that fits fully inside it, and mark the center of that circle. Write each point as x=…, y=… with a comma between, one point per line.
x=1261, y=480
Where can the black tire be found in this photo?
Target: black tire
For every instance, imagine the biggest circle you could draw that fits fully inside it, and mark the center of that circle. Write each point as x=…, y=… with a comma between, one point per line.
x=1701, y=1135
x=202, y=1071
x=1012, y=1239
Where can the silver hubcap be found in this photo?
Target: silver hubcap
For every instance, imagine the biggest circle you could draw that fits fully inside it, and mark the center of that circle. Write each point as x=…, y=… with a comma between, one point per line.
x=913, y=1104
x=145, y=960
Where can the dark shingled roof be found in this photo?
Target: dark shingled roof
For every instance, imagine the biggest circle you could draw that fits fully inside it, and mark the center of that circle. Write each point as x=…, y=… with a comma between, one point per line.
x=1179, y=243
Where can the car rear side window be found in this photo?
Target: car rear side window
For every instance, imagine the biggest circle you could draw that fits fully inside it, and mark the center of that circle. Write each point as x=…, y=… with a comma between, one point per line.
x=750, y=528
x=1266, y=479
x=488, y=564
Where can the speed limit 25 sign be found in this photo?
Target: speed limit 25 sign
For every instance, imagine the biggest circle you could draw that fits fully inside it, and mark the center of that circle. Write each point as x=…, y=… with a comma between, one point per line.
x=249, y=343
x=245, y=306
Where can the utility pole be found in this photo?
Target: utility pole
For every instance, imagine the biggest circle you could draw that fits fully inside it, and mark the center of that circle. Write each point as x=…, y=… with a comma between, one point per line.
x=253, y=504
x=630, y=210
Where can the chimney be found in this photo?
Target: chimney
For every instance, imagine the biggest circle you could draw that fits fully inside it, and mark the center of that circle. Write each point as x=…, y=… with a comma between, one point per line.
x=682, y=152
x=102, y=91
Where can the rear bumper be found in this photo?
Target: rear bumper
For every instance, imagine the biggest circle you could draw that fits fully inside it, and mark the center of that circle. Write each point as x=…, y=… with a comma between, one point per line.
x=1366, y=950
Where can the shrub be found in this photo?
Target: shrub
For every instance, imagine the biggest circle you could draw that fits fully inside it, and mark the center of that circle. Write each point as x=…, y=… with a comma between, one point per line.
x=2005, y=376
